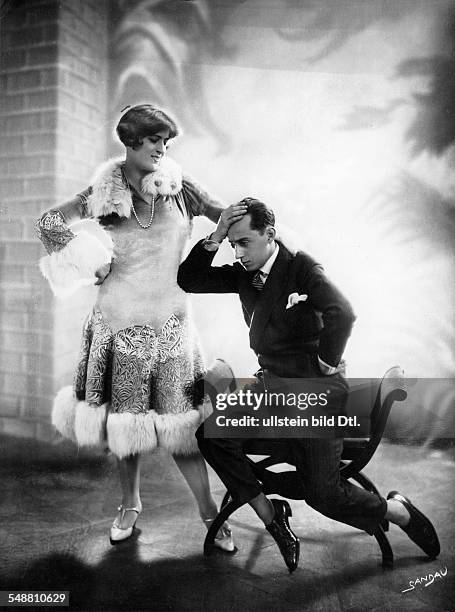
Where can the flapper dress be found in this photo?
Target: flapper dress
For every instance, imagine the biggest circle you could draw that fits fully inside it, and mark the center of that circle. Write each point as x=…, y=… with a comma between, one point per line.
x=137, y=382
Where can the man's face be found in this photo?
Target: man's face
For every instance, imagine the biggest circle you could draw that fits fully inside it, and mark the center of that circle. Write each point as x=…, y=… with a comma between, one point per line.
x=251, y=247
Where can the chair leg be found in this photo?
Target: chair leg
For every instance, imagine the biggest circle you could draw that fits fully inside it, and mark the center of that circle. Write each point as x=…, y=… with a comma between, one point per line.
x=221, y=517
x=386, y=549
x=226, y=498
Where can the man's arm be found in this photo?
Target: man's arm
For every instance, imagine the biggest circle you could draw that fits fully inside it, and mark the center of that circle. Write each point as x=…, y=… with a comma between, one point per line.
x=337, y=317
x=197, y=275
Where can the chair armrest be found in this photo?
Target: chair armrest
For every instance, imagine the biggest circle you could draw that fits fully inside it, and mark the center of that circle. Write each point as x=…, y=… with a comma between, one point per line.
x=391, y=389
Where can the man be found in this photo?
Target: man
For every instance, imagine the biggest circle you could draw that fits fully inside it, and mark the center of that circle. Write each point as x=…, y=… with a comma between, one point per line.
x=305, y=341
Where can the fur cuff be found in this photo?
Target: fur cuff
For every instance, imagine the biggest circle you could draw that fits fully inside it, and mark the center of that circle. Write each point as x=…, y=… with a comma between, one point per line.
x=75, y=265
x=128, y=434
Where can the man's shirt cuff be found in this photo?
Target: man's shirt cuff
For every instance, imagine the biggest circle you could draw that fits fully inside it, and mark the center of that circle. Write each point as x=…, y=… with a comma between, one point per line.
x=209, y=244
x=326, y=368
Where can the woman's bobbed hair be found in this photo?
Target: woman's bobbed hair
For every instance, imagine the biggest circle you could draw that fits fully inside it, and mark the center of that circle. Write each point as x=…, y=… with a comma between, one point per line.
x=141, y=121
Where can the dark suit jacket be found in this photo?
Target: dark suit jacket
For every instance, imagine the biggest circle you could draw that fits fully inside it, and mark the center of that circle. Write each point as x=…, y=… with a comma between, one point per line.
x=287, y=341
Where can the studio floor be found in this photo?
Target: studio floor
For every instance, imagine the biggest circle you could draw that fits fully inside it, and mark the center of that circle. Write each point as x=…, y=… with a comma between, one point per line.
x=57, y=504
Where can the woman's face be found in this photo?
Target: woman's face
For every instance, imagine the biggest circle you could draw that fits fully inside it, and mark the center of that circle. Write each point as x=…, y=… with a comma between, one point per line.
x=147, y=157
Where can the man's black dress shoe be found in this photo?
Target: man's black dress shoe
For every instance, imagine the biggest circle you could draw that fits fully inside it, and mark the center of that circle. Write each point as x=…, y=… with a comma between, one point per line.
x=280, y=531
x=419, y=528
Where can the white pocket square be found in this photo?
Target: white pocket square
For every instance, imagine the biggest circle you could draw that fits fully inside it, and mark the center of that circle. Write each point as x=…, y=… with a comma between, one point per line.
x=295, y=298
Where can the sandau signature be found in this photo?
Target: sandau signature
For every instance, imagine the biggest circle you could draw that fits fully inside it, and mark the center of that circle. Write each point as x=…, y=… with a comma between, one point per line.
x=426, y=580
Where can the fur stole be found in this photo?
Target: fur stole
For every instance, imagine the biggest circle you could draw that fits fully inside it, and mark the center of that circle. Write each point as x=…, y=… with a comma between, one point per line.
x=110, y=194
x=75, y=265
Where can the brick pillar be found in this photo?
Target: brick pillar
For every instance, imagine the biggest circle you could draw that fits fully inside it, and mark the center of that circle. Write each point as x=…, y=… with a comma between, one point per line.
x=53, y=88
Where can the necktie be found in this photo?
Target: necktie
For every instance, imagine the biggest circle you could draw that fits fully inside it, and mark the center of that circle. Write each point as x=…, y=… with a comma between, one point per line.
x=257, y=281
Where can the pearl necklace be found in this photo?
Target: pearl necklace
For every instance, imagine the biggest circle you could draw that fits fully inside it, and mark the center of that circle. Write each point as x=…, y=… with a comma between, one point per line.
x=147, y=225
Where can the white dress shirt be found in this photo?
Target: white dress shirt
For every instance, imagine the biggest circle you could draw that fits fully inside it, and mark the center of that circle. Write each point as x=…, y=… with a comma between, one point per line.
x=265, y=269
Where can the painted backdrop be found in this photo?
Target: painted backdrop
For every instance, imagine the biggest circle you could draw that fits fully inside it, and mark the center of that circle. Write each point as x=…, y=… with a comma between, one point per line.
x=339, y=114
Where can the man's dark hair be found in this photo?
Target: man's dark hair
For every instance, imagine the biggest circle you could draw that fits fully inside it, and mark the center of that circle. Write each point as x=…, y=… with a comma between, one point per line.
x=141, y=121
x=261, y=215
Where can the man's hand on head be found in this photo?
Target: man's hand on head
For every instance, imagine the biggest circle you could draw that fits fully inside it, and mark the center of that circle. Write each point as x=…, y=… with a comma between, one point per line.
x=230, y=215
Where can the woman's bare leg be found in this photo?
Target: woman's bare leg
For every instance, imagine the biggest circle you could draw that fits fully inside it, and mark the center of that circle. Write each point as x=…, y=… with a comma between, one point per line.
x=129, y=472
x=194, y=470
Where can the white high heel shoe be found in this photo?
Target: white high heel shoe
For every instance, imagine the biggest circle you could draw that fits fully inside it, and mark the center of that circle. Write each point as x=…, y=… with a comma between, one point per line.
x=118, y=534
x=223, y=538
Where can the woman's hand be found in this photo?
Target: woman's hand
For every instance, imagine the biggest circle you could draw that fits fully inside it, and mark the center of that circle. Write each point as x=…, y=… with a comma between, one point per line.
x=102, y=273
x=230, y=215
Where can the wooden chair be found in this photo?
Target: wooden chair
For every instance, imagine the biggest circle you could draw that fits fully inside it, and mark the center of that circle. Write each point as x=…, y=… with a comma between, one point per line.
x=356, y=455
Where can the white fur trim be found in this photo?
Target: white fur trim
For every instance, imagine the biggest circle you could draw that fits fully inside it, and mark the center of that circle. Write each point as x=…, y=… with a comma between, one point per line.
x=128, y=433
x=110, y=195
x=176, y=432
x=75, y=265
x=64, y=412
x=89, y=424
x=167, y=180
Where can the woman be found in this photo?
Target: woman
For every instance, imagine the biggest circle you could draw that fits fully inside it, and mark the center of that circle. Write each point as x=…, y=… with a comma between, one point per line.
x=135, y=384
